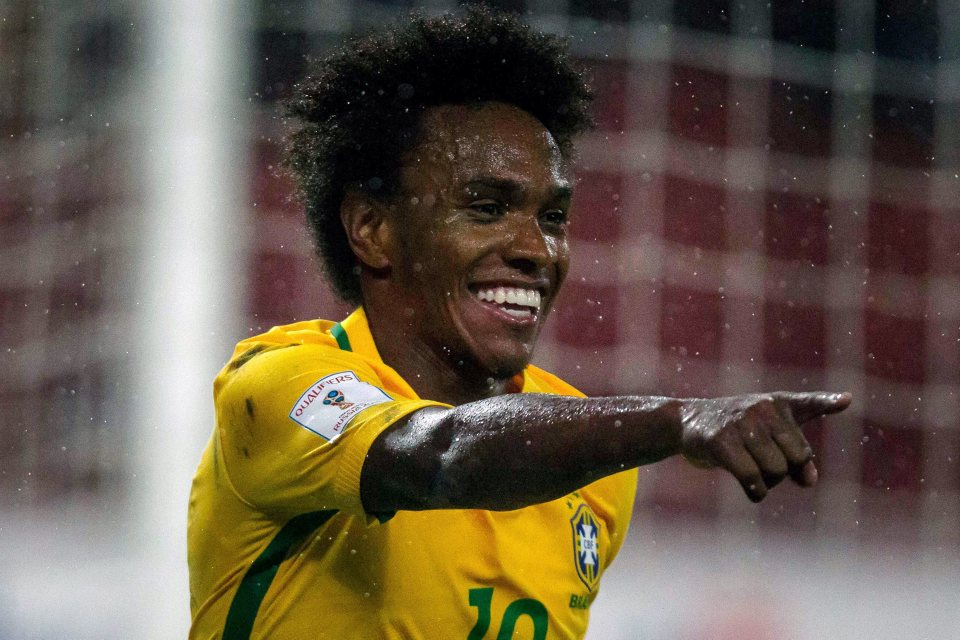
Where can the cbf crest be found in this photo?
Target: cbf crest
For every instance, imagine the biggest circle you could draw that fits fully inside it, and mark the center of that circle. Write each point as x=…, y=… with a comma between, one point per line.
x=586, y=545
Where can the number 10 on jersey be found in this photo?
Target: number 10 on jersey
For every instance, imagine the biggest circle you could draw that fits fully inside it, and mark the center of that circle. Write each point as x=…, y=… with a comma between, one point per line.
x=482, y=599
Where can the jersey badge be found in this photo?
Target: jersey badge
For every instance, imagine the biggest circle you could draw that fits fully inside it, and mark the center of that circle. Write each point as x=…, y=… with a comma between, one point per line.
x=329, y=404
x=586, y=545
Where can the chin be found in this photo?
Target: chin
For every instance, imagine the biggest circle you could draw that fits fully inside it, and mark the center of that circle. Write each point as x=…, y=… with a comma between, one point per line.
x=498, y=348
x=506, y=365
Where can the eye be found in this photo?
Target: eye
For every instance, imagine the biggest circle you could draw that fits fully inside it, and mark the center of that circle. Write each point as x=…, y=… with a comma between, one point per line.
x=556, y=217
x=488, y=208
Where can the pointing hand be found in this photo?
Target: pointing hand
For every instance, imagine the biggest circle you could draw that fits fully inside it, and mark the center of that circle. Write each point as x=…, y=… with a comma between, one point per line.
x=757, y=438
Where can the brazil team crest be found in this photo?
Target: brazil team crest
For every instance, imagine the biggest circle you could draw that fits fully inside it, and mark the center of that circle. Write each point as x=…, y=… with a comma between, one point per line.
x=586, y=545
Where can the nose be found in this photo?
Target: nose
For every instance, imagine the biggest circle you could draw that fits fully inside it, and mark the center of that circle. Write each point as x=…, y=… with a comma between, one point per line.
x=527, y=247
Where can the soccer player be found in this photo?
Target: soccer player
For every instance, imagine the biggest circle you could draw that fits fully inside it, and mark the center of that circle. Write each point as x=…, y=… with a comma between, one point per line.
x=407, y=473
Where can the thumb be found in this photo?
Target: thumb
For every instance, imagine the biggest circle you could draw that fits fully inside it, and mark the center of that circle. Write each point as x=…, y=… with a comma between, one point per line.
x=809, y=405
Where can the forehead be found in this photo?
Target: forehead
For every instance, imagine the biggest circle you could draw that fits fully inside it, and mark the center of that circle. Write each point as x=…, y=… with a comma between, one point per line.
x=462, y=141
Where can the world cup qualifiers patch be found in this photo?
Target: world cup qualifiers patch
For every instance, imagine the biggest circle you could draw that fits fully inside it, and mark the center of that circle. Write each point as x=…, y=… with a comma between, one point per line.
x=327, y=406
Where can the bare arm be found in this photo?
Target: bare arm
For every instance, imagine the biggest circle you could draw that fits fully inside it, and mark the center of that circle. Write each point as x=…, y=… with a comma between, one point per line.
x=520, y=449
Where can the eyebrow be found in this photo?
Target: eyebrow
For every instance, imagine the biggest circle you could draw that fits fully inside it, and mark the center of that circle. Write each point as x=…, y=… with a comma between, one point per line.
x=562, y=190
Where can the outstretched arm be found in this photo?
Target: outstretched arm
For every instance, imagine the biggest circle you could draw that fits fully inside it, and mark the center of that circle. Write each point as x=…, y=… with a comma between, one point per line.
x=515, y=450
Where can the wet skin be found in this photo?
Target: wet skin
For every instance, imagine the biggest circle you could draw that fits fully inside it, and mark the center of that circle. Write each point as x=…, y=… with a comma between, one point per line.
x=483, y=203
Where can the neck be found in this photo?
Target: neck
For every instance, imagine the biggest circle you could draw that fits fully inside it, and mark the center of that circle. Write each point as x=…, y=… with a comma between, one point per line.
x=432, y=373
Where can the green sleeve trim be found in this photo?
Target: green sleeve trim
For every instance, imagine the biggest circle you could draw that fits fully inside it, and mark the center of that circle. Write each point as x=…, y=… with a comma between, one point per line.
x=338, y=332
x=246, y=602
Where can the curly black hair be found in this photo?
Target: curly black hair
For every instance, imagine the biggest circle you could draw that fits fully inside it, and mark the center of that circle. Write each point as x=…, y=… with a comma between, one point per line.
x=360, y=108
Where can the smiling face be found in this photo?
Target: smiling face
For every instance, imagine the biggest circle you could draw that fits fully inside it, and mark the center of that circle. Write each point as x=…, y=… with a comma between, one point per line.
x=480, y=246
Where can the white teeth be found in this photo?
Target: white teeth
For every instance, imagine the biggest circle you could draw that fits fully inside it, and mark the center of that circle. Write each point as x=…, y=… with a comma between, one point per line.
x=512, y=295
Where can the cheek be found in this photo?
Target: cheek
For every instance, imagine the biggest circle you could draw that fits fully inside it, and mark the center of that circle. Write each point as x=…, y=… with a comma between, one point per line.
x=440, y=262
x=422, y=246
x=561, y=249
x=459, y=245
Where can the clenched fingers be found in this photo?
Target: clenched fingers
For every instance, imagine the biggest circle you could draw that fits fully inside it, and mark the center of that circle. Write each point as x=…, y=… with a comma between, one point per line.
x=794, y=446
x=735, y=458
x=766, y=455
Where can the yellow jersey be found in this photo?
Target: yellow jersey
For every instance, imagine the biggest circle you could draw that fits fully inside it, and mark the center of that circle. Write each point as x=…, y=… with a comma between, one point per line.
x=279, y=545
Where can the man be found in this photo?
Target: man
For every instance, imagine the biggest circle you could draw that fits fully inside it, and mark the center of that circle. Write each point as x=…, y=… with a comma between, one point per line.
x=406, y=473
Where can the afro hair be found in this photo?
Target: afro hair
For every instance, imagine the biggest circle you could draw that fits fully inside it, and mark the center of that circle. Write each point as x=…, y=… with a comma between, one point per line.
x=360, y=108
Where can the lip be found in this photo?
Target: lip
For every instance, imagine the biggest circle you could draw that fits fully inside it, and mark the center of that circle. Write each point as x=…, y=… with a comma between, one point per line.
x=493, y=311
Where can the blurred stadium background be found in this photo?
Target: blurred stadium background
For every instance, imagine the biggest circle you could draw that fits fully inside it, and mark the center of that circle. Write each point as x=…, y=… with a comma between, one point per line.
x=771, y=199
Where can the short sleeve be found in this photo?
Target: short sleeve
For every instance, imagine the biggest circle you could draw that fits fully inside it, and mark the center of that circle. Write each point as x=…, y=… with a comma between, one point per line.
x=295, y=422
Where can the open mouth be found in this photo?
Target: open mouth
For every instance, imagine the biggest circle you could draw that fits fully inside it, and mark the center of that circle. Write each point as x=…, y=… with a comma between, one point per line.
x=517, y=302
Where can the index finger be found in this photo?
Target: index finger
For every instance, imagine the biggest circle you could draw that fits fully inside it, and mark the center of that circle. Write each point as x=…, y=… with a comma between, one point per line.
x=808, y=405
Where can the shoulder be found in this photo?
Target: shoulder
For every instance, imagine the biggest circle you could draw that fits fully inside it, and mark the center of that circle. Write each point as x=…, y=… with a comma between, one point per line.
x=294, y=355
x=310, y=332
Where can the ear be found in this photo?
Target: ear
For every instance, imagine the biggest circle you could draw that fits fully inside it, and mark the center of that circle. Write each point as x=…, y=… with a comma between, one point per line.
x=364, y=220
